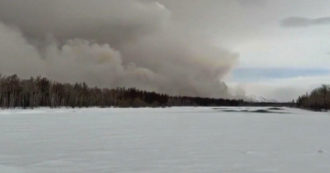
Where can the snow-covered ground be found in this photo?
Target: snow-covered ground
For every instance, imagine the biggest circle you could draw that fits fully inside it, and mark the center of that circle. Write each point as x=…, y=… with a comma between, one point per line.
x=219, y=140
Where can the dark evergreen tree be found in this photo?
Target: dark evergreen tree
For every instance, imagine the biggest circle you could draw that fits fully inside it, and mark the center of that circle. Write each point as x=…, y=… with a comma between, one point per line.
x=318, y=99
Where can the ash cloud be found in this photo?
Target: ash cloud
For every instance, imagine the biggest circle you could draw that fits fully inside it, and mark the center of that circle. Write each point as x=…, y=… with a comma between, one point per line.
x=107, y=21
x=116, y=43
x=304, y=22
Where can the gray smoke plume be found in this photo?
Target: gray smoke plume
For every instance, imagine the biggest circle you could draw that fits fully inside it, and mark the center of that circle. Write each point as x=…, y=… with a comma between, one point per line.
x=110, y=43
x=304, y=22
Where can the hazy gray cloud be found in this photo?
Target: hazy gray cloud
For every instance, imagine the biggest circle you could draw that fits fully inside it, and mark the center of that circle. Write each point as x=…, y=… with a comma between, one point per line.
x=113, y=21
x=252, y=2
x=304, y=22
x=111, y=43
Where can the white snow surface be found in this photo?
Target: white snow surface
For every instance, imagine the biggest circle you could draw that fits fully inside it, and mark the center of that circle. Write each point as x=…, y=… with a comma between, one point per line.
x=164, y=140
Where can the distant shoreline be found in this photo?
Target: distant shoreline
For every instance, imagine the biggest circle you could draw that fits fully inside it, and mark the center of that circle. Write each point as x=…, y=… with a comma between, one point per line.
x=42, y=92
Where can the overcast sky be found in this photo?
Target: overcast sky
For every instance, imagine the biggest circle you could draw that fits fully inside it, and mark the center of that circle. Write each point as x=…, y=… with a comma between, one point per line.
x=258, y=48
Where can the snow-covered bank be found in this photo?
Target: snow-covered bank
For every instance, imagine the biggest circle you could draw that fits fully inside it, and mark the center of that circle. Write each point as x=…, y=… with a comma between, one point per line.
x=238, y=140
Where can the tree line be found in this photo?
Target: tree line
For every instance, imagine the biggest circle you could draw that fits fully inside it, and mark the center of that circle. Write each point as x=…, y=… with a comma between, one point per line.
x=42, y=92
x=318, y=99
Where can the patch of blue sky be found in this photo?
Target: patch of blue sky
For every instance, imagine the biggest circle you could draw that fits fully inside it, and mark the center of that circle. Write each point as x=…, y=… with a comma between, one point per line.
x=257, y=74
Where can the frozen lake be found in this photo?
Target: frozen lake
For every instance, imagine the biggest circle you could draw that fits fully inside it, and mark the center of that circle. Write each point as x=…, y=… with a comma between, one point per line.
x=219, y=140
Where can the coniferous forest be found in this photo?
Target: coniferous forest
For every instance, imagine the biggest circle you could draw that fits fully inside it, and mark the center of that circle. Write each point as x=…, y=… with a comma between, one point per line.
x=318, y=99
x=41, y=92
